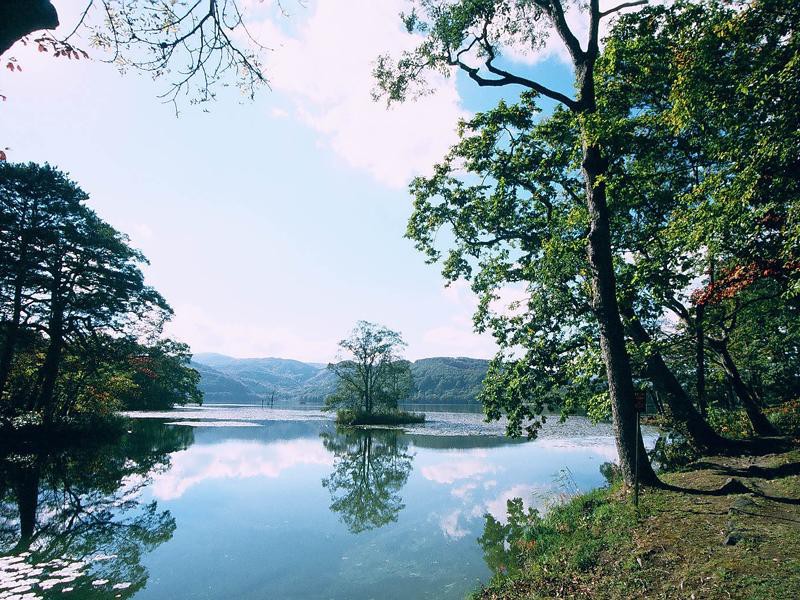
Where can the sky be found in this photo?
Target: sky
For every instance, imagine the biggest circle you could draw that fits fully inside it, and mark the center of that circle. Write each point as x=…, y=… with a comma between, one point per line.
x=271, y=225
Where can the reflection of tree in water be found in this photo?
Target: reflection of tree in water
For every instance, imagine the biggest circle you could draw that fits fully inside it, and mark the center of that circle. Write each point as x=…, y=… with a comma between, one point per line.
x=370, y=468
x=76, y=514
x=507, y=546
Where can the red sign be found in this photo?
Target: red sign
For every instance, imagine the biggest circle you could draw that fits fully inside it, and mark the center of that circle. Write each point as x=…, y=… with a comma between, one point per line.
x=639, y=400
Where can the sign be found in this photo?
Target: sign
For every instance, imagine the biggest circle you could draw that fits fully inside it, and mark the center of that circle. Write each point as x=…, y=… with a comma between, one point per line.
x=639, y=400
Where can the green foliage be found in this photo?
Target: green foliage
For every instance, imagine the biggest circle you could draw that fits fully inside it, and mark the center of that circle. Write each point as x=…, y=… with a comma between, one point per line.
x=80, y=330
x=372, y=376
x=786, y=418
x=351, y=417
x=731, y=423
x=568, y=538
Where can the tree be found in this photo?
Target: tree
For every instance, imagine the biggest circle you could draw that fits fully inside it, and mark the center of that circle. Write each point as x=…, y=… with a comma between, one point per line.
x=372, y=375
x=457, y=32
x=72, y=294
x=198, y=43
x=700, y=100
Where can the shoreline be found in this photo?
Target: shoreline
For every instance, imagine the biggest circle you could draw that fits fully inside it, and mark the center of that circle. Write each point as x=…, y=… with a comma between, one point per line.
x=687, y=541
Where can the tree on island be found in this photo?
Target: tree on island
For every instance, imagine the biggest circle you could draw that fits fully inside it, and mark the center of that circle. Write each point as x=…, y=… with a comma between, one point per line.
x=373, y=376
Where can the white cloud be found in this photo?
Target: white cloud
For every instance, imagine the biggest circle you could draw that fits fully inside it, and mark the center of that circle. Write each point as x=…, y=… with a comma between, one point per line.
x=279, y=113
x=242, y=338
x=325, y=69
x=457, y=336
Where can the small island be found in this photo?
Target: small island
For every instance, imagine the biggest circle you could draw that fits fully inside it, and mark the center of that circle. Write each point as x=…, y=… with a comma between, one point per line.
x=373, y=379
x=352, y=418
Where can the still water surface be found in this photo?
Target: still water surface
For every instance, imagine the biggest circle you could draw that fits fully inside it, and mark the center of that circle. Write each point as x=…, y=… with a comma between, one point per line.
x=226, y=502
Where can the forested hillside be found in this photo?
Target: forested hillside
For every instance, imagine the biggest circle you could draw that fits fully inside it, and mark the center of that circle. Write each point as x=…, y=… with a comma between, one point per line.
x=441, y=380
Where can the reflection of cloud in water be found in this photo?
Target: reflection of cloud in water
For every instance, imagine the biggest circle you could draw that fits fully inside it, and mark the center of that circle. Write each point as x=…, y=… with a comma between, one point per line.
x=603, y=447
x=451, y=527
x=469, y=465
x=535, y=496
x=463, y=490
x=456, y=524
x=235, y=460
x=452, y=471
x=215, y=423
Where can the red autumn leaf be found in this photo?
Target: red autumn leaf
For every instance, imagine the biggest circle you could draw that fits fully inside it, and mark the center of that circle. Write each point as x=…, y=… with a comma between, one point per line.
x=3, y=155
x=10, y=66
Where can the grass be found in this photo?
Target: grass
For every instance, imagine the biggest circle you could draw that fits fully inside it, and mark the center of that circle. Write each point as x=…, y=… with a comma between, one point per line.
x=598, y=546
x=396, y=417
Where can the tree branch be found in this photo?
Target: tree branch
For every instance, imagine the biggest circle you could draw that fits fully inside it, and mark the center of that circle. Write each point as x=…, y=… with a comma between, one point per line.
x=611, y=11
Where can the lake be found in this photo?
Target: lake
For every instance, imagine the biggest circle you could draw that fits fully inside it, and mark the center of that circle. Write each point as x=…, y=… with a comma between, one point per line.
x=250, y=503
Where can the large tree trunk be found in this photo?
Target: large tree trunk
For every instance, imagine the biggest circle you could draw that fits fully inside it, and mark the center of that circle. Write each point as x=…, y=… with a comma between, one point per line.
x=18, y=18
x=761, y=424
x=612, y=335
x=680, y=405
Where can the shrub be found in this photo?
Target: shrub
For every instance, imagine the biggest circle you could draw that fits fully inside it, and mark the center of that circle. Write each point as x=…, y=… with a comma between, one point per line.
x=786, y=417
x=395, y=417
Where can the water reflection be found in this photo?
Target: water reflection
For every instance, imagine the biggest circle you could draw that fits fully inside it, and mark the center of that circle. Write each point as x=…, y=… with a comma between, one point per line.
x=72, y=520
x=508, y=539
x=370, y=469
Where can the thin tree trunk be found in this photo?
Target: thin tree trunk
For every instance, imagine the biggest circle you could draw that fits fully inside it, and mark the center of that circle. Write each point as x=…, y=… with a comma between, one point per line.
x=680, y=405
x=52, y=361
x=27, y=489
x=761, y=424
x=700, y=356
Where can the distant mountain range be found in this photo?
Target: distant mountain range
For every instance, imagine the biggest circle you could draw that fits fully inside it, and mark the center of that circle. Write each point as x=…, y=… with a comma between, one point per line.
x=224, y=379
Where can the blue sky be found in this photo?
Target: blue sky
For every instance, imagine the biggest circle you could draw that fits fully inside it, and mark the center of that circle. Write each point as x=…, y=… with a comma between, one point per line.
x=271, y=225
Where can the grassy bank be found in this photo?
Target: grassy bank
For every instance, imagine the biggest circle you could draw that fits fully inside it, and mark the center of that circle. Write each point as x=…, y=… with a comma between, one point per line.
x=681, y=544
x=397, y=417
